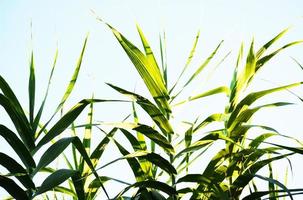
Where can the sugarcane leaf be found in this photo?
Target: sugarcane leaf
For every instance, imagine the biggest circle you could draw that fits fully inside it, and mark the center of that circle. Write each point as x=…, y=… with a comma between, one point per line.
x=149, y=53
x=258, y=140
x=55, y=179
x=58, y=147
x=97, y=153
x=132, y=161
x=39, y=113
x=259, y=194
x=218, y=90
x=65, y=121
x=12, y=188
x=8, y=92
x=78, y=183
x=70, y=86
x=150, y=184
x=17, y=170
x=148, y=72
x=199, y=70
x=155, y=136
x=266, y=58
x=252, y=97
x=152, y=110
x=249, y=173
x=20, y=122
x=195, y=178
x=217, y=117
x=206, y=140
x=245, y=114
x=65, y=191
x=87, y=135
x=271, y=42
x=189, y=59
x=18, y=146
x=31, y=90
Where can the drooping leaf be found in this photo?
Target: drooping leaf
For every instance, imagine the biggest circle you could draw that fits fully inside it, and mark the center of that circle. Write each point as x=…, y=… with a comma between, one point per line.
x=158, y=117
x=55, y=179
x=17, y=170
x=18, y=118
x=13, y=189
x=18, y=146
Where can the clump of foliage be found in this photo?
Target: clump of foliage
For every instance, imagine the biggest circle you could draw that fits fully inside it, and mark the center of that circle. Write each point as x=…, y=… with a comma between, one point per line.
x=160, y=159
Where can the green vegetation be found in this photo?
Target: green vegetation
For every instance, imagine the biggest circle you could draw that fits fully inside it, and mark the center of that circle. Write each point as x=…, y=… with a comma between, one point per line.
x=160, y=156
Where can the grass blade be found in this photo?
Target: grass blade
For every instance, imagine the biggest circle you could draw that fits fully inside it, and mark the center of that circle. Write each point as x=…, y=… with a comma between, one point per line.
x=39, y=114
x=31, y=90
x=189, y=59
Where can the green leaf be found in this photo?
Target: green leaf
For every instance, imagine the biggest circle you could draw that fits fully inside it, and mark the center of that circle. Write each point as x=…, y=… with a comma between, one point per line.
x=205, y=141
x=265, y=59
x=39, y=114
x=55, y=179
x=155, y=136
x=194, y=178
x=19, y=148
x=269, y=43
x=78, y=183
x=150, y=184
x=200, y=69
x=31, y=90
x=21, y=123
x=252, y=97
x=256, y=195
x=249, y=173
x=217, y=117
x=258, y=140
x=132, y=161
x=152, y=110
x=87, y=135
x=218, y=90
x=65, y=121
x=189, y=59
x=70, y=86
x=17, y=170
x=149, y=73
x=149, y=53
x=245, y=114
x=57, y=148
x=275, y=182
x=13, y=189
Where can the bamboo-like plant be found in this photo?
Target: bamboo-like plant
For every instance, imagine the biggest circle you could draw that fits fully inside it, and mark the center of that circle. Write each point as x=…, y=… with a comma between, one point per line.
x=33, y=135
x=235, y=166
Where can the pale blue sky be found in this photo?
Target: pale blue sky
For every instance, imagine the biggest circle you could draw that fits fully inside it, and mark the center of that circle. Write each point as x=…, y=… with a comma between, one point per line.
x=67, y=22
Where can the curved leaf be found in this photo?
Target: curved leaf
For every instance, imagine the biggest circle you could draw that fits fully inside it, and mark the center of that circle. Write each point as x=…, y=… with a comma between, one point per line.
x=17, y=170
x=18, y=146
x=55, y=179
x=13, y=189
x=150, y=184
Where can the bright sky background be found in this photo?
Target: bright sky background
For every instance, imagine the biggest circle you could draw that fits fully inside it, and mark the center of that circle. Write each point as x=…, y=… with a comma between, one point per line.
x=65, y=24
